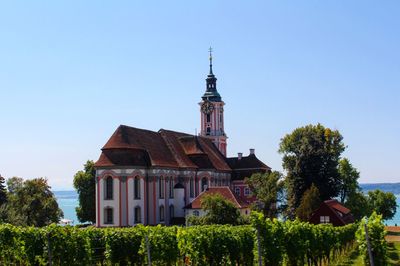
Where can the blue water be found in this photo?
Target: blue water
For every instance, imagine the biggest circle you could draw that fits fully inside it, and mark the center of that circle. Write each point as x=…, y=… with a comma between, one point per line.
x=68, y=201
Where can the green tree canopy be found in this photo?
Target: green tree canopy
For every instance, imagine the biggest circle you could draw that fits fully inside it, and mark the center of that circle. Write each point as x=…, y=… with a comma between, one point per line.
x=309, y=203
x=85, y=185
x=267, y=189
x=3, y=191
x=218, y=211
x=348, y=179
x=359, y=205
x=311, y=156
x=31, y=203
x=383, y=203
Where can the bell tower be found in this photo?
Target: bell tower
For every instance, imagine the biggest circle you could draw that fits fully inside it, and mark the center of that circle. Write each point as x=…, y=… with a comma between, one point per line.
x=212, y=112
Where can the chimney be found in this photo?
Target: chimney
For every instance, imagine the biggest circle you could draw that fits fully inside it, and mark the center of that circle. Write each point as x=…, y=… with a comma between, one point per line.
x=240, y=155
x=252, y=151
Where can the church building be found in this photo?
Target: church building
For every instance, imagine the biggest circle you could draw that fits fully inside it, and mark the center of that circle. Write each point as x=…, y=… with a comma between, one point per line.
x=147, y=177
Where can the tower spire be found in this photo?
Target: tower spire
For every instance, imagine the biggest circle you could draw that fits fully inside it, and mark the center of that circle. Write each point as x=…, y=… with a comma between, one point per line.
x=210, y=58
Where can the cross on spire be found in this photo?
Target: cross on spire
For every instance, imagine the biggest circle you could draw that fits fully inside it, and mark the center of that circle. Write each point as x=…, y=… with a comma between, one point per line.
x=210, y=58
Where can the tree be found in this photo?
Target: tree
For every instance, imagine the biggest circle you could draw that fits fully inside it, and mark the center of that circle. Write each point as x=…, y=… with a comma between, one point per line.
x=348, y=179
x=311, y=156
x=267, y=188
x=359, y=205
x=3, y=191
x=14, y=183
x=383, y=203
x=85, y=184
x=32, y=203
x=309, y=203
x=218, y=211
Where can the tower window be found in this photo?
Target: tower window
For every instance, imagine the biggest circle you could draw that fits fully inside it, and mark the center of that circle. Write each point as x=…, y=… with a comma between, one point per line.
x=208, y=131
x=208, y=118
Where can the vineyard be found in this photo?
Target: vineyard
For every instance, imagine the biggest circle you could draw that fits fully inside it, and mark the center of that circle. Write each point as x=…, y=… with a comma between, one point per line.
x=278, y=243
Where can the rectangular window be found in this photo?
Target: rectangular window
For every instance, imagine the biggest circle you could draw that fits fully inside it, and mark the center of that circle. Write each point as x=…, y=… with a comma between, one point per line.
x=324, y=219
x=247, y=191
x=161, y=187
x=208, y=118
x=237, y=191
x=162, y=213
x=109, y=216
x=191, y=187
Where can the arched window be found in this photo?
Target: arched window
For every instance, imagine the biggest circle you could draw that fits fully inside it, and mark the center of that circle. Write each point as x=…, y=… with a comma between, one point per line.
x=162, y=214
x=196, y=213
x=191, y=187
x=136, y=187
x=204, y=184
x=161, y=187
x=138, y=218
x=171, y=188
x=108, y=215
x=171, y=211
x=108, y=193
x=208, y=118
x=208, y=132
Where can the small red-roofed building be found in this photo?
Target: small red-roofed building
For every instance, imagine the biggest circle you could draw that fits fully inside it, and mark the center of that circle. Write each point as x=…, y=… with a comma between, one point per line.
x=331, y=211
x=195, y=209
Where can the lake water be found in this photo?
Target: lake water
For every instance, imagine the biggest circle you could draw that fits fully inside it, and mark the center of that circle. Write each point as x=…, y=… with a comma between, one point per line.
x=68, y=200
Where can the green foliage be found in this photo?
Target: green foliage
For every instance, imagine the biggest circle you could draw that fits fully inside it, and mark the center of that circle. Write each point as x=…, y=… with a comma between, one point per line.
x=311, y=155
x=348, y=179
x=359, y=205
x=3, y=191
x=309, y=203
x=376, y=235
x=297, y=243
x=85, y=185
x=218, y=211
x=31, y=202
x=383, y=203
x=266, y=187
x=217, y=245
x=293, y=243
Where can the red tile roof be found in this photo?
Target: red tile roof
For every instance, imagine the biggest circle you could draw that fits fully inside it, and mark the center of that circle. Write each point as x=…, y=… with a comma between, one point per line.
x=130, y=146
x=225, y=192
x=334, y=204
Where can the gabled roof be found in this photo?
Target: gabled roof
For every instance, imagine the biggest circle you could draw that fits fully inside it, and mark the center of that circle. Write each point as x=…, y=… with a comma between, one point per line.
x=225, y=192
x=334, y=204
x=130, y=146
x=247, y=162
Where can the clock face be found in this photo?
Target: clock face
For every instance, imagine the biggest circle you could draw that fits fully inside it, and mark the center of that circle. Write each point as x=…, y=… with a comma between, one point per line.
x=207, y=107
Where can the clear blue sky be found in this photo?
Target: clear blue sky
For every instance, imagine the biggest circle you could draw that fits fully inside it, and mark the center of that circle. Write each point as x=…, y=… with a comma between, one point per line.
x=72, y=71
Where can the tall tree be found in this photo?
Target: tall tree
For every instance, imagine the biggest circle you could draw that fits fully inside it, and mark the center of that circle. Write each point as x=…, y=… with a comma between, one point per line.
x=32, y=203
x=85, y=184
x=267, y=188
x=348, y=179
x=3, y=191
x=311, y=156
x=359, y=205
x=309, y=203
